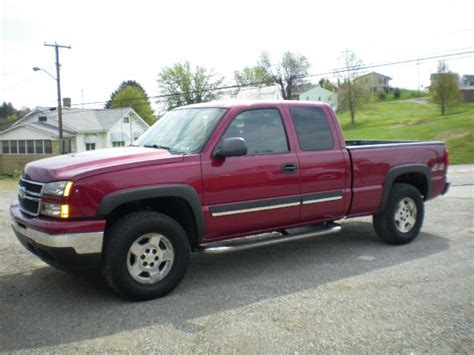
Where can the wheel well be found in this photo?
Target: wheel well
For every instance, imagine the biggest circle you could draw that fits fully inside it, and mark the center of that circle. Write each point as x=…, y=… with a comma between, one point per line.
x=418, y=180
x=174, y=207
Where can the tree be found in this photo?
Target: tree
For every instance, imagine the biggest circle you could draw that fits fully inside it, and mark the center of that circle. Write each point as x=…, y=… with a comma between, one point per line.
x=131, y=94
x=9, y=114
x=7, y=110
x=326, y=84
x=252, y=75
x=444, y=89
x=288, y=74
x=181, y=85
x=351, y=94
x=397, y=93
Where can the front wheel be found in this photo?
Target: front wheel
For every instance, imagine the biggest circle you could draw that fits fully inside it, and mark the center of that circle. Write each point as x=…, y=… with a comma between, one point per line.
x=145, y=256
x=401, y=220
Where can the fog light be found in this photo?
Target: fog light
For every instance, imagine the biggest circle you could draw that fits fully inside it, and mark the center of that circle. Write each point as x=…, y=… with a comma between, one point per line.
x=54, y=210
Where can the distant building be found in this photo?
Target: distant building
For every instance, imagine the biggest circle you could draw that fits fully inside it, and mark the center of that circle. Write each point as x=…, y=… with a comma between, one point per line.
x=467, y=88
x=305, y=92
x=318, y=93
x=298, y=91
x=36, y=135
x=374, y=82
x=262, y=93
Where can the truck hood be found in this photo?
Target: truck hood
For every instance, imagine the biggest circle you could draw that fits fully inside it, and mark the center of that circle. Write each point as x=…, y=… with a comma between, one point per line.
x=79, y=165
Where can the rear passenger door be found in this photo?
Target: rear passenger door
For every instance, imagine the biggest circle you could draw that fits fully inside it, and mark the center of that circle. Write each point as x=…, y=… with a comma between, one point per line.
x=324, y=167
x=256, y=191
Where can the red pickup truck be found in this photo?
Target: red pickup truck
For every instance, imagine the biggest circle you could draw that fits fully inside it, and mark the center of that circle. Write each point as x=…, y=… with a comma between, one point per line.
x=215, y=178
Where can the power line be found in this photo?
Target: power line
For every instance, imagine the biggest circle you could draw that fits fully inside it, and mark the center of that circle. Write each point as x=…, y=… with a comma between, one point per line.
x=331, y=72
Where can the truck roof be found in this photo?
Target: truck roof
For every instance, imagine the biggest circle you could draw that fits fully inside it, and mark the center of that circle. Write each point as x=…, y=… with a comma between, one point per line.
x=254, y=103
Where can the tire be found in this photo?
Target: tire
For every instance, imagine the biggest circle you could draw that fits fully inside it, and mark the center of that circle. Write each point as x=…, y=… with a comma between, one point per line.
x=145, y=238
x=401, y=220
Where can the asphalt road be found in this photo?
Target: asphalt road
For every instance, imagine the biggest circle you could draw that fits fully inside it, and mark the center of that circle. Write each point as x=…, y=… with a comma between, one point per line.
x=343, y=293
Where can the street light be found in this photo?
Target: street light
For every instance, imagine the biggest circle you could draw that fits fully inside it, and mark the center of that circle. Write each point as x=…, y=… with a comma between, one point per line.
x=58, y=82
x=60, y=111
x=47, y=72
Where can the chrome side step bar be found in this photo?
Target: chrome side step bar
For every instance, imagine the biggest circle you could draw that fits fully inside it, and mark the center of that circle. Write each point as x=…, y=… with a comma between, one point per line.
x=251, y=242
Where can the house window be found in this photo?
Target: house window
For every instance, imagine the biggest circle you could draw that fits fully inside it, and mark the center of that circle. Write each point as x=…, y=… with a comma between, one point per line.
x=48, y=149
x=5, y=147
x=21, y=147
x=126, y=119
x=14, y=147
x=39, y=147
x=30, y=147
x=118, y=144
x=90, y=146
x=26, y=147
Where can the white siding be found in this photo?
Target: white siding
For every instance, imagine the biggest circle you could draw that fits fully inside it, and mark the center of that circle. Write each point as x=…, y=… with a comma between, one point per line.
x=135, y=124
x=320, y=94
x=23, y=133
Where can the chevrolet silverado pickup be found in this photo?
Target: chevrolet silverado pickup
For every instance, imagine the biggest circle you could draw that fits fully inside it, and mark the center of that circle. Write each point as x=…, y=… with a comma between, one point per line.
x=215, y=178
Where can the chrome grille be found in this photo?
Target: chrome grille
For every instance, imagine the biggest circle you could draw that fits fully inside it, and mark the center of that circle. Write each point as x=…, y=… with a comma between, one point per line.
x=31, y=187
x=29, y=196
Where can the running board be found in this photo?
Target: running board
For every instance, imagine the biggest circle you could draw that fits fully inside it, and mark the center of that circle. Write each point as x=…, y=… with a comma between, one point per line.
x=251, y=242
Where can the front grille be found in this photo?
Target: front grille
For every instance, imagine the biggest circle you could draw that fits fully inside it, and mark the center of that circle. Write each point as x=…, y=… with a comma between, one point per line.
x=31, y=187
x=29, y=196
x=29, y=205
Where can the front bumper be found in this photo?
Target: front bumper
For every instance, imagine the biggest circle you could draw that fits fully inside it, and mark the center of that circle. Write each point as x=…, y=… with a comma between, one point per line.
x=77, y=250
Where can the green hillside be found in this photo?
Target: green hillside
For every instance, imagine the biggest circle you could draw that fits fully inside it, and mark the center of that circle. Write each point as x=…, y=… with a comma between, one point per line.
x=416, y=120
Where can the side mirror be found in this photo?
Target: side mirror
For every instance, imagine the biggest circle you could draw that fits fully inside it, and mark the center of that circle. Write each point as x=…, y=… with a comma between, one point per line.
x=231, y=147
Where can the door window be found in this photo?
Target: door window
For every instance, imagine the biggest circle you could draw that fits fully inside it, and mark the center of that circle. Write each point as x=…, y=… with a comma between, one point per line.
x=262, y=130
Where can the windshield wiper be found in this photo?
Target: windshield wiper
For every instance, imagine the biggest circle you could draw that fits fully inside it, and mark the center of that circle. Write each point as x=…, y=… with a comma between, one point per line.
x=156, y=146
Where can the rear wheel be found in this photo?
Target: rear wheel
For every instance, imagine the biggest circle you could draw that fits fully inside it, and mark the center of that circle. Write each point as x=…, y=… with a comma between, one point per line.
x=145, y=256
x=401, y=220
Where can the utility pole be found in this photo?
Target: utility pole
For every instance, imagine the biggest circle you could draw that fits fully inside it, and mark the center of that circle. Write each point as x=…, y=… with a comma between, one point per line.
x=58, y=82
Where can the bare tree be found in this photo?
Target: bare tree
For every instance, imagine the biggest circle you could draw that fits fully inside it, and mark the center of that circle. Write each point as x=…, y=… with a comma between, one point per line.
x=444, y=88
x=288, y=74
x=351, y=94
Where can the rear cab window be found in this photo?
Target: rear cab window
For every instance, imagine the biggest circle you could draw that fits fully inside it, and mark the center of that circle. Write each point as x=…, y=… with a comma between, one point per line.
x=312, y=128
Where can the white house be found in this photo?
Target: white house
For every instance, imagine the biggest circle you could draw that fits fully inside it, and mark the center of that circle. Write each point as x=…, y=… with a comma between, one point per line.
x=311, y=92
x=261, y=93
x=36, y=135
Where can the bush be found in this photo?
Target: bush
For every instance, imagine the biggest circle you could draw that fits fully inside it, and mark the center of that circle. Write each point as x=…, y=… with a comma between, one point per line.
x=397, y=93
x=382, y=96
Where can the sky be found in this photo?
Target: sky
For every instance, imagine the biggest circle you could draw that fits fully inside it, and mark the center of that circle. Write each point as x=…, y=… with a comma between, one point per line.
x=113, y=41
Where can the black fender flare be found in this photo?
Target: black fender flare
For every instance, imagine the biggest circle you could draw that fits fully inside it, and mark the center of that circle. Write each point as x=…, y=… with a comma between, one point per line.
x=396, y=171
x=187, y=193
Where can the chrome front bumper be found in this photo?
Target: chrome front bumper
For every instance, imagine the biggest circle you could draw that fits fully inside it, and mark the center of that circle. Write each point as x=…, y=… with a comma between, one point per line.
x=82, y=243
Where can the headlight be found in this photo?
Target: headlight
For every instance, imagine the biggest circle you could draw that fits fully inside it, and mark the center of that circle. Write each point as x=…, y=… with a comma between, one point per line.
x=58, y=188
x=54, y=210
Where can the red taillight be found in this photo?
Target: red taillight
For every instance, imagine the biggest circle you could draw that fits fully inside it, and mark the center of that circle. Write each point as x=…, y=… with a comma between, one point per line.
x=446, y=158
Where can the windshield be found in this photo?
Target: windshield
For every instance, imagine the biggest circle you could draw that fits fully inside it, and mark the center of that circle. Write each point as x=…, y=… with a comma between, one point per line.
x=183, y=130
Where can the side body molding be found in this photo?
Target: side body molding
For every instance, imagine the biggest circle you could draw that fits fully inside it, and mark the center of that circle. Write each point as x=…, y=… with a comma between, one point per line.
x=185, y=192
x=396, y=171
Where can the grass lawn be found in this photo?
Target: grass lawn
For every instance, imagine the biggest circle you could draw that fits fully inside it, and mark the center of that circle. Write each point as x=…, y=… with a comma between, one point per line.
x=412, y=120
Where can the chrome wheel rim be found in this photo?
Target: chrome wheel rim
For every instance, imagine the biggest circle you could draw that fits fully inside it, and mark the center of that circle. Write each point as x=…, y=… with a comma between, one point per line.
x=150, y=258
x=405, y=215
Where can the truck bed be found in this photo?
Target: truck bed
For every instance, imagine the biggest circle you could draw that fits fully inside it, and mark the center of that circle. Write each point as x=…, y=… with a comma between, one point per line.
x=354, y=144
x=372, y=160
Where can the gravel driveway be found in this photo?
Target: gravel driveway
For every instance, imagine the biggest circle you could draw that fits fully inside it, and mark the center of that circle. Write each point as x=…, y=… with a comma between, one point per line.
x=343, y=293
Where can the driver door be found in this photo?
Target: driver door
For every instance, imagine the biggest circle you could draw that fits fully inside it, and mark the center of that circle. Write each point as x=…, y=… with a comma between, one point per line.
x=256, y=191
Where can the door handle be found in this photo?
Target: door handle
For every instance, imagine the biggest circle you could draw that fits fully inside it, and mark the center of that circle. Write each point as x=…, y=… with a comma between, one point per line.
x=289, y=168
